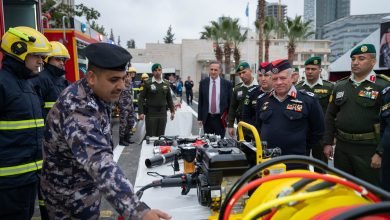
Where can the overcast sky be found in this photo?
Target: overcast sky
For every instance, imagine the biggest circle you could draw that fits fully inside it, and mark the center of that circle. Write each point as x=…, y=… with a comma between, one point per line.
x=147, y=21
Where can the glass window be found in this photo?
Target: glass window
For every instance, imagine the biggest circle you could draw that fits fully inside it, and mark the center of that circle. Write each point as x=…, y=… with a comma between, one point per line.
x=13, y=9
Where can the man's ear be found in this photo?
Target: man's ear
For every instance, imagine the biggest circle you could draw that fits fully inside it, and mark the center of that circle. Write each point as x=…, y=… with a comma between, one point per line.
x=91, y=77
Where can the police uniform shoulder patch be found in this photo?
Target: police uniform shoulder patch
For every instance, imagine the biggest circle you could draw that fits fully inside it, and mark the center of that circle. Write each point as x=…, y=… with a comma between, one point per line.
x=253, y=88
x=261, y=95
x=385, y=90
x=307, y=93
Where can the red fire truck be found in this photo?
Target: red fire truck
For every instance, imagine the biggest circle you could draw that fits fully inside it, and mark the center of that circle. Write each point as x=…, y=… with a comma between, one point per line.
x=73, y=34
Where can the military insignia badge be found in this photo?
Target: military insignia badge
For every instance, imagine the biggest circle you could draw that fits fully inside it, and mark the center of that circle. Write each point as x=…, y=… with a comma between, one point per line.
x=246, y=101
x=239, y=94
x=290, y=107
x=275, y=70
x=298, y=108
x=339, y=95
x=153, y=87
x=372, y=78
x=364, y=49
x=264, y=107
x=315, y=62
x=368, y=88
x=241, y=67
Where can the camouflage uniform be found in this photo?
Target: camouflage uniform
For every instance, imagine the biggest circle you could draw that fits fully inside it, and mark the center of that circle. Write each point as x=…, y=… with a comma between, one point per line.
x=78, y=162
x=127, y=118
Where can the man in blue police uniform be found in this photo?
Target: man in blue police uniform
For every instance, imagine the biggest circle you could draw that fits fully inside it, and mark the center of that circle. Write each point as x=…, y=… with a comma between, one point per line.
x=78, y=167
x=353, y=117
x=289, y=119
x=265, y=86
x=385, y=139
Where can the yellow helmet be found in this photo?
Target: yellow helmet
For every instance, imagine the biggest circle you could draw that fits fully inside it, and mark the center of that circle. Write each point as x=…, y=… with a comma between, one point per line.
x=58, y=50
x=132, y=69
x=20, y=41
x=144, y=76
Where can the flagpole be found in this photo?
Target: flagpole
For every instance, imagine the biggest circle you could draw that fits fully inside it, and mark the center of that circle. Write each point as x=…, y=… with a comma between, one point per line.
x=247, y=28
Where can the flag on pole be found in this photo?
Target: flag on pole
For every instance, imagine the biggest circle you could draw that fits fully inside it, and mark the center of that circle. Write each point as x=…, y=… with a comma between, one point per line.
x=247, y=10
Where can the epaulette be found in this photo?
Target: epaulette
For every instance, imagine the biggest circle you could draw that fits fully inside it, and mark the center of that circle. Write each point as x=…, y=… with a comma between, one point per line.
x=238, y=85
x=261, y=95
x=383, y=76
x=327, y=82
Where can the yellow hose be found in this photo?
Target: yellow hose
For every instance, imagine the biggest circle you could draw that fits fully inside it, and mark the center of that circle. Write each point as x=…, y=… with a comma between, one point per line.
x=283, y=200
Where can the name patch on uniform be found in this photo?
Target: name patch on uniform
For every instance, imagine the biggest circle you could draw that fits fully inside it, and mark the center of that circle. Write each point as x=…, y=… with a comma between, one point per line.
x=339, y=95
x=321, y=91
x=294, y=107
x=164, y=87
x=296, y=101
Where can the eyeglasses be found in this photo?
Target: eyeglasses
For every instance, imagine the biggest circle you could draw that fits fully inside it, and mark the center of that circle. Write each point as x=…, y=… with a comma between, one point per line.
x=59, y=59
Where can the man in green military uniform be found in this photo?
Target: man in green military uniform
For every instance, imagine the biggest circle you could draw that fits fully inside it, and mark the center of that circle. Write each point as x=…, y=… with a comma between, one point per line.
x=322, y=89
x=154, y=100
x=353, y=117
x=239, y=93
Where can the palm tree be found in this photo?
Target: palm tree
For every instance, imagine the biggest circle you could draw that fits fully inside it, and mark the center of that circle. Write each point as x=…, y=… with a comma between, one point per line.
x=212, y=33
x=270, y=24
x=261, y=18
x=225, y=31
x=295, y=30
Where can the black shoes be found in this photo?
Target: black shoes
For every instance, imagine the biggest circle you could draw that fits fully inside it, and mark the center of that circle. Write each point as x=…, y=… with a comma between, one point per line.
x=123, y=142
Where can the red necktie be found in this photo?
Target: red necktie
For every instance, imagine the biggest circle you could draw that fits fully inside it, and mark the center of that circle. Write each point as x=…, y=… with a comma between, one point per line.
x=214, y=98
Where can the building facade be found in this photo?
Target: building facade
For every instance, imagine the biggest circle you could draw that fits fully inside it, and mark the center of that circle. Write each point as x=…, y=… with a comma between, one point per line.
x=322, y=12
x=192, y=56
x=347, y=32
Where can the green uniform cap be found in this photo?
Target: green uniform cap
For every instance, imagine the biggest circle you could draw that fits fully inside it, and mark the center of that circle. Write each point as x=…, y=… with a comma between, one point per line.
x=242, y=66
x=156, y=66
x=364, y=48
x=313, y=61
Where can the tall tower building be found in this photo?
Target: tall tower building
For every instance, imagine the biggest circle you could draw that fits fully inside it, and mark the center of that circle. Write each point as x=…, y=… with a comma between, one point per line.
x=273, y=10
x=325, y=11
x=309, y=14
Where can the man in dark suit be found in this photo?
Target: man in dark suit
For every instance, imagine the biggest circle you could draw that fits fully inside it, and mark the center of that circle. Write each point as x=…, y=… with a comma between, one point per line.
x=214, y=101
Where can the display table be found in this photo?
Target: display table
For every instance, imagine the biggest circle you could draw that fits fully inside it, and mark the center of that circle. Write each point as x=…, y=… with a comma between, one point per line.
x=182, y=123
x=168, y=200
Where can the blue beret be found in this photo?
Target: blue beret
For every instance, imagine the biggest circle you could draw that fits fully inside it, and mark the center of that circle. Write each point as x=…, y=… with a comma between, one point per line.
x=313, y=61
x=280, y=65
x=242, y=66
x=108, y=56
x=364, y=48
x=156, y=66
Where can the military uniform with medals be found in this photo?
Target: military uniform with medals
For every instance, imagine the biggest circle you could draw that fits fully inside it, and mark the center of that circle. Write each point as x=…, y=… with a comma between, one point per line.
x=352, y=117
x=291, y=124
